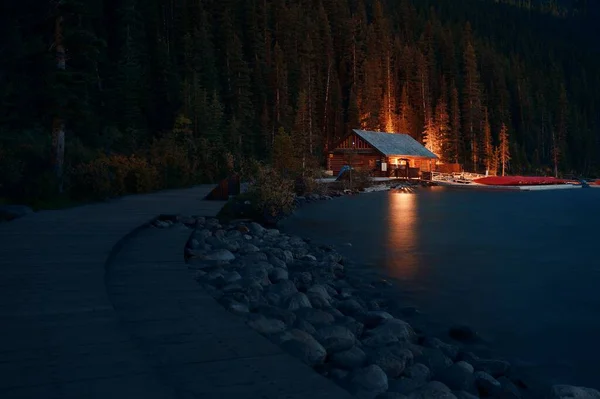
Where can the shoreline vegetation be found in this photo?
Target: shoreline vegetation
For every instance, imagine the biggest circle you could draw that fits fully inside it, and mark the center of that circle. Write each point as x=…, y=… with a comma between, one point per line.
x=308, y=299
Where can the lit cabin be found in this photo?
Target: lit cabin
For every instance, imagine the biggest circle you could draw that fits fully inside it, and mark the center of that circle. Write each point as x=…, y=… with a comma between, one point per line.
x=384, y=154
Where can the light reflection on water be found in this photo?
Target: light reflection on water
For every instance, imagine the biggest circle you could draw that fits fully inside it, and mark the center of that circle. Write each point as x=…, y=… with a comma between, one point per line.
x=402, y=260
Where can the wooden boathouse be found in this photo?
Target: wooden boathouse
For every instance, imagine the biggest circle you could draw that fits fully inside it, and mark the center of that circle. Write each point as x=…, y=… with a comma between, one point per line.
x=383, y=154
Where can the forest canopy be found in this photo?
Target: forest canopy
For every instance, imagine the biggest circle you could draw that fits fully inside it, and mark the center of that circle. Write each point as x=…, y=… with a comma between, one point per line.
x=217, y=80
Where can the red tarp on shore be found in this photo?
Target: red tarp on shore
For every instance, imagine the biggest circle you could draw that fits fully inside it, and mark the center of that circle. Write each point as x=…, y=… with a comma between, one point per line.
x=521, y=181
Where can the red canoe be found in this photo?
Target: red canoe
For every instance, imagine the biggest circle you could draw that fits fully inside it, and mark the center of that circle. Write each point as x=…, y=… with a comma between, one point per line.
x=521, y=181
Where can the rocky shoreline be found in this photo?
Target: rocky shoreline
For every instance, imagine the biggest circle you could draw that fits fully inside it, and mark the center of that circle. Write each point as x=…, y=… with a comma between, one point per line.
x=301, y=296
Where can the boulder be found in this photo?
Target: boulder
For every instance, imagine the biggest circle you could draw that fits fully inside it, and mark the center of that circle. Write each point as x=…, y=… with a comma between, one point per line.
x=434, y=359
x=222, y=255
x=432, y=390
x=272, y=312
x=255, y=273
x=278, y=274
x=370, y=381
x=350, y=307
x=232, y=277
x=509, y=389
x=316, y=317
x=449, y=350
x=405, y=385
x=572, y=392
x=283, y=289
x=319, y=290
x=390, y=395
x=266, y=326
x=465, y=395
x=335, y=338
x=298, y=300
x=495, y=368
x=419, y=372
x=393, y=365
x=374, y=318
x=349, y=359
x=305, y=326
x=486, y=384
x=400, y=329
x=308, y=349
x=459, y=377
x=256, y=229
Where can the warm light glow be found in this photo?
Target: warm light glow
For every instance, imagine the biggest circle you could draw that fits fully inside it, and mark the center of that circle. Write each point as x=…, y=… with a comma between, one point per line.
x=402, y=237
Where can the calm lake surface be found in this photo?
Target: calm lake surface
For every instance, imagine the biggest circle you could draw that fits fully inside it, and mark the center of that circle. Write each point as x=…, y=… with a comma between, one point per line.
x=522, y=268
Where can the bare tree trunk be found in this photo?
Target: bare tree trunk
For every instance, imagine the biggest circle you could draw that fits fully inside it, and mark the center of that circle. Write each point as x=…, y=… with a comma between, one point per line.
x=310, y=131
x=326, y=102
x=58, y=128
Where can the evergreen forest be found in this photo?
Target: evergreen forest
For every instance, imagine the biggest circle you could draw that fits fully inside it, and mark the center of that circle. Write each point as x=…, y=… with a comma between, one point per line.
x=107, y=97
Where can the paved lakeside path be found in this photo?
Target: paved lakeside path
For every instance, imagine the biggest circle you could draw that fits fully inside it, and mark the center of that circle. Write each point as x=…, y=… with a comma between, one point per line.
x=94, y=306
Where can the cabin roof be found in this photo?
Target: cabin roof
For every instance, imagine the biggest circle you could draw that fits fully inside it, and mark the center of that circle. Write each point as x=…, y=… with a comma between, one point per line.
x=395, y=144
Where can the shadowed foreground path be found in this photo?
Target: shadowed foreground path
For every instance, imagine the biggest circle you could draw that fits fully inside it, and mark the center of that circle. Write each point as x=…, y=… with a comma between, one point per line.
x=75, y=325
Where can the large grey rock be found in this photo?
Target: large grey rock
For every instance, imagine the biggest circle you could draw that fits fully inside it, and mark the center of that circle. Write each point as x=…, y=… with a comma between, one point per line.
x=350, y=307
x=486, y=384
x=256, y=229
x=572, y=392
x=449, y=350
x=434, y=359
x=509, y=389
x=432, y=390
x=316, y=317
x=305, y=326
x=297, y=301
x=374, y=318
x=458, y=377
x=391, y=363
x=232, y=277
x=248, y=248
x=370, y=381
x=401, y=329
x=277, y=262
x=335, y=338
x=419, y=372
x=318, y=302
x=308, y=349
x=302, y=280
x=283, y=289
x=381, y=339
x=390, y=395
x=495, y=368
x=278, y=274
x=273, y=312
x=256, y=273
x=465, y=395
x=351, y=324
x=405, y=385
x=223, y=255
x=266, y=326
x=319, y=290
x=292, y=333
x=349, y=359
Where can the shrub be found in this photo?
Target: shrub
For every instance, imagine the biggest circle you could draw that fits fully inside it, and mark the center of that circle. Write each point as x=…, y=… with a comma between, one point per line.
x=113, y=175
x=274, y=193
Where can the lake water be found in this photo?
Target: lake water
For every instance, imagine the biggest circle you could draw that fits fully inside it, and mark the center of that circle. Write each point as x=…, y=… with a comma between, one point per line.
x=522, y=268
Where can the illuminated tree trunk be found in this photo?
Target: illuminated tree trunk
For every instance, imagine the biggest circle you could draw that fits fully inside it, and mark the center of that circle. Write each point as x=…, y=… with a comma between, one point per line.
x=504, y=148
x=58, y=125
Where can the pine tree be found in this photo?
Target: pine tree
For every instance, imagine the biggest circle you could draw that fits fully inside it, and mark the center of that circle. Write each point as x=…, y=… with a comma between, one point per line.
x=442, y=120
x=471, y=110
x=488, y=145
x=504, y=148
x=455, y=140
